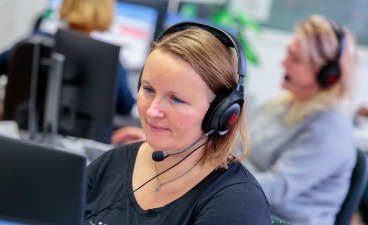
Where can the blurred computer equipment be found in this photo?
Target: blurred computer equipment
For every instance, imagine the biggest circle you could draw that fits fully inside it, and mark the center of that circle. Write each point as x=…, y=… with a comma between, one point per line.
x=88, y=85
x=40, y=185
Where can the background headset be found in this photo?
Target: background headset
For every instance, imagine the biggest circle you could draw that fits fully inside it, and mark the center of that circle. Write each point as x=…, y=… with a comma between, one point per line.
x=330, y=73
x=224, y=110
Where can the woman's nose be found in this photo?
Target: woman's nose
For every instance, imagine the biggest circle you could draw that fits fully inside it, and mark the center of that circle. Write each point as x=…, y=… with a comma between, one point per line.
x=156, y=109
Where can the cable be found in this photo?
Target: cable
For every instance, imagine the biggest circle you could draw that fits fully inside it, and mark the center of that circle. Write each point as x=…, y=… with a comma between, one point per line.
x=98, y=212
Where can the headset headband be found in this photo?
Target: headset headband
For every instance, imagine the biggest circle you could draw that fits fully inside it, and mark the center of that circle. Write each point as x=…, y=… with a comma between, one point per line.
x=340, y=38
x=228, y=39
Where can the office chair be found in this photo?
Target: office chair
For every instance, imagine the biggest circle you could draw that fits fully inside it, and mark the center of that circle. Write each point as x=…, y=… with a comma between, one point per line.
x=25, y=65
x=358, y=183
x=363, y=208
x=89, y=86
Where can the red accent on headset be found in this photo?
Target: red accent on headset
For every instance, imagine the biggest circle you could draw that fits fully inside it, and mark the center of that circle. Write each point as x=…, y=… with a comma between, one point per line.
x=233, y=119
x=332, y=79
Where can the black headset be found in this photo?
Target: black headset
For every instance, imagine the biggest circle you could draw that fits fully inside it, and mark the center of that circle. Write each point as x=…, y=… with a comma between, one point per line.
x=330, y=73
x=226, y=107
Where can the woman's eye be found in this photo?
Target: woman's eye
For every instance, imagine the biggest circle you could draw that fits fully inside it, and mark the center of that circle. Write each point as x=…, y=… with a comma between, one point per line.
x=176, y=100
x=295, y=59
x=148, y=90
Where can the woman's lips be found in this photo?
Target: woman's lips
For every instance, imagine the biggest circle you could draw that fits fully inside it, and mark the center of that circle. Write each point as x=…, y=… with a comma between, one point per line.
x=157, y=128
x=286, y=77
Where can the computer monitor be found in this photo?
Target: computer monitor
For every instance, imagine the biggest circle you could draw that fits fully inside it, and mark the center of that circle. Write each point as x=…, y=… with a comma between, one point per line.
x=159, y=6
x=27, y=79
x=135, y=25
x=89, y=85
x=4, y=220
x=40, y=184
x=133, y=28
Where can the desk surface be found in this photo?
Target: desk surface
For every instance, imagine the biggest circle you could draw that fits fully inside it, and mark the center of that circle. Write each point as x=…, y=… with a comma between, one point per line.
x=87, y=147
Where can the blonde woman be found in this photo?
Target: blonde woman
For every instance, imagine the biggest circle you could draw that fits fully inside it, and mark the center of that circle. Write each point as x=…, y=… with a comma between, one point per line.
x=186, y=172
x=87, y=15
x=302, y=150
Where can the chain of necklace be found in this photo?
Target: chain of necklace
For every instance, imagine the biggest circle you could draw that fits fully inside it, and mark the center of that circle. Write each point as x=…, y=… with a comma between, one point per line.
x=160, y=184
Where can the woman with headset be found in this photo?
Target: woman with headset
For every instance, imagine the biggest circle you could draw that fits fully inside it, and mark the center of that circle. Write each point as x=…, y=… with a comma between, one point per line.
x=303, y=150
x=190, y=102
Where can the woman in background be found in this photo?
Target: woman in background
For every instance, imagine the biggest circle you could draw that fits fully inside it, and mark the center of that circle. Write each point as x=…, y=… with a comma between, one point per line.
x=97, y=15
x=303, y=150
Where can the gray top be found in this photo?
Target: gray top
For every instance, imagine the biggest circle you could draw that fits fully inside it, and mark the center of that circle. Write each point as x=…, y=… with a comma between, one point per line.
x=304, y=169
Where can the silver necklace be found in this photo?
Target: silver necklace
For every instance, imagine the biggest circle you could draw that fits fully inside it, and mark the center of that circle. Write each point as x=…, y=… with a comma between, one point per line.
x=160, y=184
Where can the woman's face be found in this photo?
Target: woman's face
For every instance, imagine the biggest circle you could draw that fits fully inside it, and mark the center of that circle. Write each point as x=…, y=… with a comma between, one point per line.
x=300, y=74
x=172, y=102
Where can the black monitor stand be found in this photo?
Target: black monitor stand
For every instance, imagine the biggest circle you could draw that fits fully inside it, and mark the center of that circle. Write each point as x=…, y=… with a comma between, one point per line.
x=52, y=63
x=32, y=111
x=52, y=105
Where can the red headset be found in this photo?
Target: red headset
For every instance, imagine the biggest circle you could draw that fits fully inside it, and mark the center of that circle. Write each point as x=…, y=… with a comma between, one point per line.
x=330, y=73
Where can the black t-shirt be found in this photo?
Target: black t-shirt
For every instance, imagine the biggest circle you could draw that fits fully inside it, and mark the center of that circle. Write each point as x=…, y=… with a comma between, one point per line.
x=231, y=196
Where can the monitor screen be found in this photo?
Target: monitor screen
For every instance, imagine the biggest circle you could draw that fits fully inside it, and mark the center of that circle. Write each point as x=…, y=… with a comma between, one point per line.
x=160, y=7
x=4, y=220
x=133, y=28
x=89, y=85
x=40, y=184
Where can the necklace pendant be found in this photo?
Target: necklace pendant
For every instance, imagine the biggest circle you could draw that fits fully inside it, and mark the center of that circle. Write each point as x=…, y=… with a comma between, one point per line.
x=157, y=188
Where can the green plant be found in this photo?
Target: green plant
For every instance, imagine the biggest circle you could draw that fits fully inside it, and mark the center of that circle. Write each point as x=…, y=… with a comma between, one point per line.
x=226, y=18
x=241, y=23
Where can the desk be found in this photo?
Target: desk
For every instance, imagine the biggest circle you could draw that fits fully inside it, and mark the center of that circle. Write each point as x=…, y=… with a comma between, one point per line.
x=87, y=147
x=124, y=121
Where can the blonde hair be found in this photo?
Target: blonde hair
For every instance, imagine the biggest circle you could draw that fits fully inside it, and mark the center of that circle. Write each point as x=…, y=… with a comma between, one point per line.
x=88, y=15
x=320, y=44
x=217, y=66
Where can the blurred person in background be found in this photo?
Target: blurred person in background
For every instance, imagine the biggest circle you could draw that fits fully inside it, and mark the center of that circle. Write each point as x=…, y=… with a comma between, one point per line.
x=86, y=16
x=97, y=15
x=303, y=151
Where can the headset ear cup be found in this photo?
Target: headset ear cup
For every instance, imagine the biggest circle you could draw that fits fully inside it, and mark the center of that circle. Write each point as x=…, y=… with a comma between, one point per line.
x=223, y=112
x=206, y=123
x=328, y=75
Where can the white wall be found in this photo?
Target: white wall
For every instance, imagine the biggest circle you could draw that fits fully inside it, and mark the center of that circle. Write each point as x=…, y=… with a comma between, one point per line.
x=17, y=18
x=265, y=79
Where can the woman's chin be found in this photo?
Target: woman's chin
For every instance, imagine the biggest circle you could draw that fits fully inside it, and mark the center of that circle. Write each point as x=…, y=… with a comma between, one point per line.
x=285, y=85
x=158, y=144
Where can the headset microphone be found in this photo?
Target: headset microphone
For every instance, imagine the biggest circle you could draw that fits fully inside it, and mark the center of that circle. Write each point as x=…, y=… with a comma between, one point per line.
x=161, y=155
x=125, y=196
